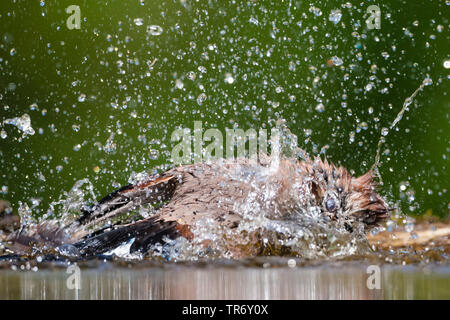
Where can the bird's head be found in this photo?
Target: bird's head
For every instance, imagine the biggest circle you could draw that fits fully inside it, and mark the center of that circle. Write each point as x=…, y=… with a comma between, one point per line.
x=345, y=198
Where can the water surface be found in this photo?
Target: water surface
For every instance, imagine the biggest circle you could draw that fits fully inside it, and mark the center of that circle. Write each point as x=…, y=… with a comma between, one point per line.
x=274, y=279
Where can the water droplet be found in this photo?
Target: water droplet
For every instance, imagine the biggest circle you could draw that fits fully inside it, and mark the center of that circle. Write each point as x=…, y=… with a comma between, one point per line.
x=191, y=75
x=403, y=186
x=427, y=81
x=384, y=132
x=202, y=69
x=229, y=78
x=292, y=66
x=154, y=30
x=336, y=61
x=82, y=97
x=335, y=16
x=385, y=55
x=364, y=125
x=320, y=107
x=408, y=33
x=308, y=132
x=291, y=263
x=12, y=86
x=12, y=52
x=351, y=137
x=3, y=134
x=179, y=84
x=368, y=87
x=316, y=11
x=110, y=146
x=138, y=21
x=447, y=64
x=254, y=21
x=154, y=154
x=201, y=98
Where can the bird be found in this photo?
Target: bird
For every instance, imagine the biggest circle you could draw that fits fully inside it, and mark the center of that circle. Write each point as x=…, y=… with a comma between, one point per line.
x=222, y=194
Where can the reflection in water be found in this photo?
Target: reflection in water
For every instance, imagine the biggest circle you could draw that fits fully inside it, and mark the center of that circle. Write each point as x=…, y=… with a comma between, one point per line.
x=181, y=282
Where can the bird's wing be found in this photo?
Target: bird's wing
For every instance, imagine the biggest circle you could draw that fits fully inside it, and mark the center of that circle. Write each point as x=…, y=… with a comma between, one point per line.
x=50, y=233
x=153, y=191
x=143, y=234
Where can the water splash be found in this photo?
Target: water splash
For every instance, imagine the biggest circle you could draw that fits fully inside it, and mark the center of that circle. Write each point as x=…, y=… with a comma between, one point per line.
x=288, y=142
x=385, y=131
x=26, y=216
x=22, y=123
x=72, y=203
x=264, y=228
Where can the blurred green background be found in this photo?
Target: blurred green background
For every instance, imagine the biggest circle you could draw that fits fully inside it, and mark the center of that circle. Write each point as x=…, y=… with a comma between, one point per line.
x=103, y=100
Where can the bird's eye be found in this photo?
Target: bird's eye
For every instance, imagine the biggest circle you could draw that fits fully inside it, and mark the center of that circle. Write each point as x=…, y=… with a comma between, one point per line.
x=331, y=205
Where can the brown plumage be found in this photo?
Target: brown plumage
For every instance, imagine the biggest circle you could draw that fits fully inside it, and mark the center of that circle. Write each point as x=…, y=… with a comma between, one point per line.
x=223, y=191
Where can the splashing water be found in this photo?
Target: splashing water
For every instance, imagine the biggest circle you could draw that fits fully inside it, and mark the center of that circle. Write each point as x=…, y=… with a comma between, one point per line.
x=385, y=131
x=22, y=123
x=26, y=217
x=72, y=203
x=307, y=233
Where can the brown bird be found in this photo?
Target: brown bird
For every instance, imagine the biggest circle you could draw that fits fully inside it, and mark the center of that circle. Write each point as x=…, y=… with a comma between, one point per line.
x=221, y=194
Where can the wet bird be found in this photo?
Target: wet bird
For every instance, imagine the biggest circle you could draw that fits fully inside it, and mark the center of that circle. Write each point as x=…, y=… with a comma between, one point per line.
x=223, y=192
